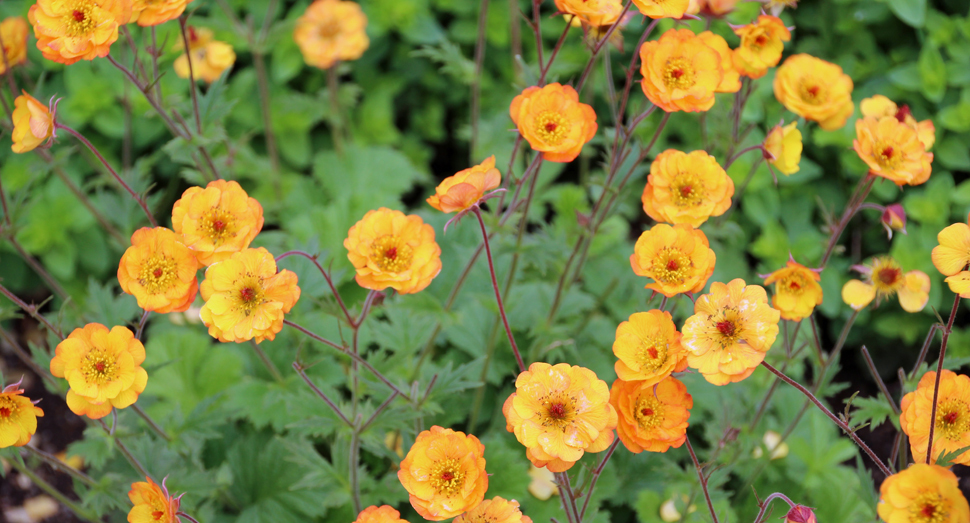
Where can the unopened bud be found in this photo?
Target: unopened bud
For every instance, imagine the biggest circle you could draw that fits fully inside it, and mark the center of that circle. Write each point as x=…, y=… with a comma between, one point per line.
x=894, y=219
x=800, y=514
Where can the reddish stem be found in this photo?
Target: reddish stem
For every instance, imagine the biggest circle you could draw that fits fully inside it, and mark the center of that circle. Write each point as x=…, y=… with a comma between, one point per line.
x=939, y=372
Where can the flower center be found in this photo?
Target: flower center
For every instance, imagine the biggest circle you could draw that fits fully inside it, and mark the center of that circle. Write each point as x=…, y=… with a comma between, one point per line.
x=649, y=412
x=652, y=353
x=158, y=274
x=687, y=190
x=679, y=74
x=251, y=294
x=889, y=276
x=813, y=93
x=4, y=412
x=552, y=127
x=447, y=477
x=671, y=266
x=793, y=285
x=391, y=254
x=157, y=515
x=928, y=507
x=217, y=225
x=760, y=40
x=247, y=294
x=559, y=412
x=98, y=367
x=79, y=20
x=329, y=28
x=952, y=419
x=887, y=156
x=728, y=327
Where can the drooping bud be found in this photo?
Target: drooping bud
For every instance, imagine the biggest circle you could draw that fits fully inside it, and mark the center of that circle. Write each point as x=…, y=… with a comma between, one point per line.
x=894, y=219
x=800, y=514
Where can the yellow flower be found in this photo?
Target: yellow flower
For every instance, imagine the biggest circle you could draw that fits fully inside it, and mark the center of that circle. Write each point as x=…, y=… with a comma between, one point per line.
x=680, y=71
x=679, y=259
x=797, y=291
x=959, y=283
x=714, y=8
x=652, y=418
x=153, y=504
x=391, y=249
x=731, y=81
x=72, y=30
x=559, y=413
x=495, y=510
x=952, y=427
x=33, y=124
x=731, y=330
x=18, y=417
x=648, y=348
x=777, y=449
x=159, y=271
x=815, y=89
x=761, y=45
x=209, y=57
x=593, y=12
x=686, y=188
x=331, y=31
x=154, y=12
x=892, y=150
x=884, y=277
x=542, y=483
x=466, y=188
x=662, y=8
x=217, y=221
x=879, y=106
x=382, y=514
x=922, y=494
x=102, y=367
x=784, y=148
x=952, y=255
x=246, y=298
x=553, y=121
x=13, y=32
x=444, y=473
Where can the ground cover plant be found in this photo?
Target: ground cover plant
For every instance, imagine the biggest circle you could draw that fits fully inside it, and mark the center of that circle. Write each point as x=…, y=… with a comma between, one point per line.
x=571, y=261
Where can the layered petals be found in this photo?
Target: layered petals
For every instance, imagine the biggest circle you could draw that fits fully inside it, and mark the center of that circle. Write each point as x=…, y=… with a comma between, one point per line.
x=883, y=278
x=18, y=417
x=33, y=124
x=648, y=348
x=159, y=271
x=952, y=255
x=217, y=221
x=816, y=90
x=680, y=71
x=391, y=249
x=652, y=418
x=662, y=8
x=13, y=32
x=154, y=12
x=596, y=13
x=152, y=503
x=444, y=473
x=952, y=426
x=686, y=188
x=553, y=121
x=783, y=146
x=68, y=31
x=465, y=188
x=495, y=510
x=762, y=43
x=797, y=290
x=678, y=258
x=331, y=31
x=922, y=494
x=879, y=106
x=892, y=150
x=381, y=514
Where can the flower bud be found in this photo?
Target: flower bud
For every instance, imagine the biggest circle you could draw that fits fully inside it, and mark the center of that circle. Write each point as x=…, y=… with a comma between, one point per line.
x=894, y=219
x=800, y=514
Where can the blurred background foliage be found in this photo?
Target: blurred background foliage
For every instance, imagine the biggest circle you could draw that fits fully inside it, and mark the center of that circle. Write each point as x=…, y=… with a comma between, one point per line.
x=248, y=448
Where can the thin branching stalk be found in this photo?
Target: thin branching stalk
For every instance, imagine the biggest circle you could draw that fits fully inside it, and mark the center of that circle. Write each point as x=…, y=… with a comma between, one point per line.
x=596, y=476
x=24, y=356
x=567, y=497
x=82, y=197
x=188, y=517
x=182, y=133
x=939, y=372
x=31, y=310
x=924, y=350
x=268, y=363
x=298, y=367
x=38, y=268
x=477, y=80
x=767, y=501
x=326, y=276
x=156, y=428
x=192, y=86
x=702, y=479
x=57, y=464
x=599, y=46
x=882, y=385
x=857, y=198
x=54, y=493
x=135, y=464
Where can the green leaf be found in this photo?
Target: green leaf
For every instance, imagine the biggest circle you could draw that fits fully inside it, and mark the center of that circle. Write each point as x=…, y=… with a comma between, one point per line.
x=932, y=72
x=946, y=459
x=955, y=117
x=913, y=12
x=875, y=411
x=952, y=153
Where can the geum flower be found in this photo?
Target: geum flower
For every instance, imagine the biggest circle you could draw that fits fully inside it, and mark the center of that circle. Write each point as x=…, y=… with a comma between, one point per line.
x=209, y=57
x=391, y=249
x=952, y=425
x=152, y=503
x=596, y=13
x=679, y=259
x=648, y=348
x=922, y=494
x=467, y=189
x=879, y=106
x=217, y=221
x=731, y=80
x=680, y=71
x=762, y=43
x=72, y=30
x=662, y=8
x=33, y=124
x=154, y=12
x=797, y=291
x=815, y=89
x=883, y=278
x=894, y=219
x=553, y=121
x=13, y=32
x=892, y=150
x=331, y=31
x=686, y=188
x=783, y=148
x=444, y=473
x=652, y=418
x=159, y=271
x=381, y=514
x=18, y=416
x=952, y=257
x=495, y=510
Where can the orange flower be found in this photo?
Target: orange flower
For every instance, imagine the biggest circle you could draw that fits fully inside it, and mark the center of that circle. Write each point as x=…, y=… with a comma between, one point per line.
x=761, y=45
x=714, y=8
x=18, y=417
x=102, y=367
x=495, y=510
x=68, y=31
x=879, y=106
x=952, y=255
x=466, y=188
x=33, y=124
x=13, y=32
x=246, y=298
x=217, y=221
x=892, y=150
x=153, y=504
x=159, y=271
x=686, y=188
x=593, y=12
x=648, y=348
x=154, y=12
x=680, y=71
x=884, y=277
x=382, y=514
x=922, y=494
x=209, y=57
x=652, y=418
x=391, y=249
x=731, y=81
x=952, y=427
x=816, y=90
x=783, y=146
x=678, y=258
x=559, y=413
x=797, y=291
x=731, y=330
x=331, y=31
x=662, y=8
x=444, y=473
x=553, y=121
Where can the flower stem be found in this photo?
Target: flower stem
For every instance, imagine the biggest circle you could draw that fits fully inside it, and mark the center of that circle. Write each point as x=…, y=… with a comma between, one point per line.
x=939, y=372
x=127, y=453
x=57, y=464
x=336, y=119
x=298, y=367
x=38, y=268
x=31, y=310
x=768, y=500
x=182, y=133
x=151, y=423
x=326, y=276
x=268, y=363
x=600, y=44
x=857, y=198
x=54, y=493
x=83, y=198
x=566, y=496
x=878, y=378
x=596, y=476
x=186, y=516
x=192, y=87
x=702, y=479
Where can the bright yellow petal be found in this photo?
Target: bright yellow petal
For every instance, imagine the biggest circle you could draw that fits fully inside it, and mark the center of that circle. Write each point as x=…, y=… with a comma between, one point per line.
x=858, y=294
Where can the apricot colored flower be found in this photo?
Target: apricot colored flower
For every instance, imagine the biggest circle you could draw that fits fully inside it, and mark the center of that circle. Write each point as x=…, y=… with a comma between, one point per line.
x=559, y=412
x=18, y=417
x=952, y=255
x=816, y=90
x=209, y=57
x=775, y=7
x=33, y=124
x=883, y=278
x=761, y=45
x=331, y=31
x=542, y=483
x=217, y=221
x=553, y=121
x=797, y=291
x=952, y=427
x=381, y=514
x=13, y=32
x=731, y=81
x=922, y=494
x=892, y=150
x=159, y=271
x=391, y=249
x=680, y=71
x=444, y=473
x=153, y=503
x=593, y=12
x=651, y=417
x=153, y=12
x=686, y=188
x=879, y=106
x=648, y=348
x=102, y=367
x=245, y=298
x=783, y=146
x=679, y=259
x=731, y=330
x=714, y=8
x=466, y=188
x=72, y=30
x=495, y=510
x=662, y=8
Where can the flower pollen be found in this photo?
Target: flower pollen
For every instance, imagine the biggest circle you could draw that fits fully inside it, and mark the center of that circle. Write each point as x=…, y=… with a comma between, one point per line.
x=953, y=419
x=928, y=508
x=78, y=21
x=652, y=353
x=158, y=274
x=447, y=477
x=679, y=74
x=687, y=190
x=391, y=254
x=552, y=127
x=671, y=266
x=649, y=412
x=98, y=367
x=217, y=226
x=726, y=328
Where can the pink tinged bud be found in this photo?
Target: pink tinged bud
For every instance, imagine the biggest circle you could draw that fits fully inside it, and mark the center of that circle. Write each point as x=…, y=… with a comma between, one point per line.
x=894, y=219
x=800, y=514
